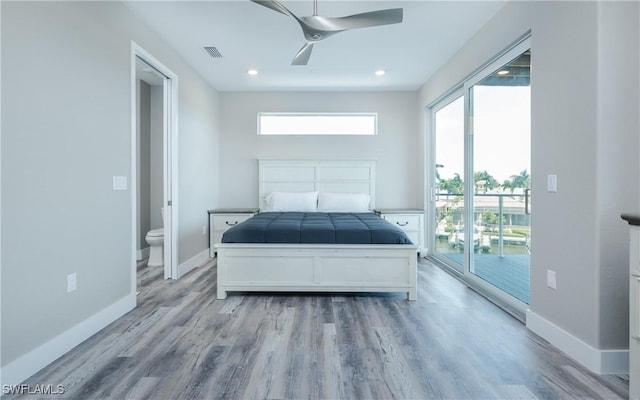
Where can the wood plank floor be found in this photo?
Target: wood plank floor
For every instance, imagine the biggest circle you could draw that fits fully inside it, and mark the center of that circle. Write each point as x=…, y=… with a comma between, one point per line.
x=182, y=343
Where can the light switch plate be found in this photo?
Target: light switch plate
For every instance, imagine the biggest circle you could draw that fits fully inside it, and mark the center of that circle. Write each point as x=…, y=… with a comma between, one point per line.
x=551, y=279
x=552, y=183
x=119, y=183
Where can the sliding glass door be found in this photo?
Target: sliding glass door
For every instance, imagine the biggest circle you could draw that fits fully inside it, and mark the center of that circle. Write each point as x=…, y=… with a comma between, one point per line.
x=448, y=199
x=501, y=132
x=480, y=189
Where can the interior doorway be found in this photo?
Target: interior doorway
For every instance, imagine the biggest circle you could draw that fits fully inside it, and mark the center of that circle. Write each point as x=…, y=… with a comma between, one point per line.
x=154, y=159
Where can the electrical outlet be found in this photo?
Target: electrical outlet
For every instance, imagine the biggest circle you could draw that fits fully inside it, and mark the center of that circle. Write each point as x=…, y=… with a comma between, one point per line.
x=204, y=229
x=551, y=279
x=72, y=282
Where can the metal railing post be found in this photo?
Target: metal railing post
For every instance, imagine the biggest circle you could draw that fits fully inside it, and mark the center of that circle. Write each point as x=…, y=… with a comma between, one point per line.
x=500, y=226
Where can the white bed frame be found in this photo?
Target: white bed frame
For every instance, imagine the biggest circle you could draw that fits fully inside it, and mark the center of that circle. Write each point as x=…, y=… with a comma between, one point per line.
x=316, y=267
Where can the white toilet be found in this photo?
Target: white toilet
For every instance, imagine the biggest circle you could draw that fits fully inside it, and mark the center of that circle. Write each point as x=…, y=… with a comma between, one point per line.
x=155, y=240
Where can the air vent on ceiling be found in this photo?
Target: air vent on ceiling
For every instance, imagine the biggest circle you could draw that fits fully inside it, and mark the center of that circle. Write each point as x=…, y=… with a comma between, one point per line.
x=213, y=52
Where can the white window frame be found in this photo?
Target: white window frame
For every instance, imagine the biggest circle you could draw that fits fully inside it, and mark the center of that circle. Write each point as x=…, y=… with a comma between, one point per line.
x=464, y=89
x=313, y=124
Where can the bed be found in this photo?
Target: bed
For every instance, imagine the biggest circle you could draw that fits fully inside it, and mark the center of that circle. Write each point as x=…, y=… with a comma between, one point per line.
x=317, y=267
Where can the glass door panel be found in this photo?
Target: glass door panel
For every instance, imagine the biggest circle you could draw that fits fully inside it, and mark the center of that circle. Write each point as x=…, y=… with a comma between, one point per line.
x=449, y=181
x=501, y=164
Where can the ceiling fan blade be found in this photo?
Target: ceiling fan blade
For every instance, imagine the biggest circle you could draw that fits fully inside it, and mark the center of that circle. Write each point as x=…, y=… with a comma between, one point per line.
x=316, y=28
x=365, y=20
x=274, y=5
x=302, y=58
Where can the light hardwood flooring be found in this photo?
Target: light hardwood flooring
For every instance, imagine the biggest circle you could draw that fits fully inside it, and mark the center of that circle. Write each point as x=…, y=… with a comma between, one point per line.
x=182, y=343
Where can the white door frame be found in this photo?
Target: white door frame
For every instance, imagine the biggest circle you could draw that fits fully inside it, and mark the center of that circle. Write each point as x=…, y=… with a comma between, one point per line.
x=463, y=89
x=512, y=52
x=170, y=162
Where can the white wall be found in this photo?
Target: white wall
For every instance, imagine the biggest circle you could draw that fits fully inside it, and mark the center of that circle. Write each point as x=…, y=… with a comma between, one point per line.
x=156, y=150
x=395, y=147
x=618, y=143
x=584, y=99
x=65, y=132
x=143, y=169
x=198, y=153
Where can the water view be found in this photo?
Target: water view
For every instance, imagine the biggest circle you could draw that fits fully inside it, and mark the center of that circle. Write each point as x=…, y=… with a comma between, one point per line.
x=501, y=238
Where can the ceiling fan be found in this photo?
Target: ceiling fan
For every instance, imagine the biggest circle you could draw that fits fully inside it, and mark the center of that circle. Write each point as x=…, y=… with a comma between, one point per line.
x=316, y=28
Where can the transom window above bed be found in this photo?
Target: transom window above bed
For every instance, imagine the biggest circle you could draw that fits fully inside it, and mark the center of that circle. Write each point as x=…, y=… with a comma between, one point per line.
x=317, y=123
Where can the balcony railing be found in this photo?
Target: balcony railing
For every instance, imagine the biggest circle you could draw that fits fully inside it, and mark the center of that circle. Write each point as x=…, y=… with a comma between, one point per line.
x=517, y=204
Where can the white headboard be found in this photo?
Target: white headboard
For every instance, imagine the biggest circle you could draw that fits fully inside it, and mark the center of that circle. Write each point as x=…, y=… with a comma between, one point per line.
x=325, y=175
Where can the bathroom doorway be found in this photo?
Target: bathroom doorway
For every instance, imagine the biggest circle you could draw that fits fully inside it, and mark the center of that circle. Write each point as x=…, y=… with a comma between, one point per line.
x=154, y=105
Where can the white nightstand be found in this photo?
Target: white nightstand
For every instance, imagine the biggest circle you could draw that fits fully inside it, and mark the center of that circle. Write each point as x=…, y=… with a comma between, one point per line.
x=411, y=220
x=221, y=219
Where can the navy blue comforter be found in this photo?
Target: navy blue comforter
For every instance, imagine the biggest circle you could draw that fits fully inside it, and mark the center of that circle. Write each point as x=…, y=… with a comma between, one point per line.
x=316, y=227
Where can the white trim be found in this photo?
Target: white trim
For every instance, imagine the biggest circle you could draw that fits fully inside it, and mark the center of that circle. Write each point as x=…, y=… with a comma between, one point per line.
x=134, y=169
x=142, y=254
x=1, y=381
x=170, y=160
x=598, y=361
x=194, y=262
x=171, y=167
x=462, y=89
x=22, y=368
x=430, y=168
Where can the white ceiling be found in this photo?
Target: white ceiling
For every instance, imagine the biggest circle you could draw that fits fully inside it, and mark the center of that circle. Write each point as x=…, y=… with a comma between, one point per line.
x=249, y=35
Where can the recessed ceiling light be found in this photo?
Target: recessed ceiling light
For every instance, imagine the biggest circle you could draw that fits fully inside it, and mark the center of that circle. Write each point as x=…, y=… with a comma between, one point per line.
x=503, y=72
x=252, y=71
x=380, y=72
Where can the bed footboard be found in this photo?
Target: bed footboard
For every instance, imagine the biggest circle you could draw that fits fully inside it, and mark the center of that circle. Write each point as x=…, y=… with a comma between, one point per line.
x=316, y=268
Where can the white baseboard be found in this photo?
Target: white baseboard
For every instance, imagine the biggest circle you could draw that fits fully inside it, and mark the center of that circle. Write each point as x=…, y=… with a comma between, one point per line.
x=142, y=254
x=598, y=361
x=194, y=262
x=18, y=370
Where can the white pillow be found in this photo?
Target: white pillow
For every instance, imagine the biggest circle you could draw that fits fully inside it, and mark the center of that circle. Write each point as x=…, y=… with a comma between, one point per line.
x=343, y=202
x=292, y=201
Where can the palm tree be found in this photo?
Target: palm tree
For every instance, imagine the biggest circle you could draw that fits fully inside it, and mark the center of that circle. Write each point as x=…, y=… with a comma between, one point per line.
x=508, y=185
x=437, y=172
x=453, y=185
x=489, y=182
x=522, y=180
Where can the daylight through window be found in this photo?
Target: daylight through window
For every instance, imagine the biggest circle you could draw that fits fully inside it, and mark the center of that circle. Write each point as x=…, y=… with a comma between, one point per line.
x=317, y=124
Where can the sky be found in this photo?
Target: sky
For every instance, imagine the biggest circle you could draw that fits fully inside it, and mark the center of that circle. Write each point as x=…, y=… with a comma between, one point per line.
x=501, y=132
